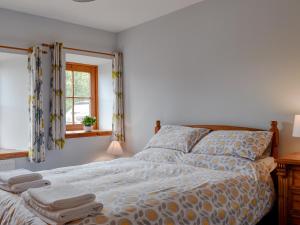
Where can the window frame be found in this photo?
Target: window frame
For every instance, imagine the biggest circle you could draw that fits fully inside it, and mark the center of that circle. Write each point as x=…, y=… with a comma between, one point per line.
x=93, y=70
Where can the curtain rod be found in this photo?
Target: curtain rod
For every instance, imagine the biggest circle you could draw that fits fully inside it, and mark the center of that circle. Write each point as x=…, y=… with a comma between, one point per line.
x=19, y=49
x=81, y=50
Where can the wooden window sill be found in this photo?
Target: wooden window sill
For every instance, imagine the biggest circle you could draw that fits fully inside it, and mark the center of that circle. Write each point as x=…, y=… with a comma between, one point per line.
x=10, y=154
x=82, y=133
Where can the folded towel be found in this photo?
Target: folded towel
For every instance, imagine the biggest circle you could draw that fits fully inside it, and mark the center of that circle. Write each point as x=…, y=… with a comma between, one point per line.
x=65, y=215
x=18, y=188
x=60, y=197
x=12, y=177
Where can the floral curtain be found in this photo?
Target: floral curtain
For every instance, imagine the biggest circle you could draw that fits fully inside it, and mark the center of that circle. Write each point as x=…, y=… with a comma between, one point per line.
x=36, y=117
x=118, y=133
x=57, y=127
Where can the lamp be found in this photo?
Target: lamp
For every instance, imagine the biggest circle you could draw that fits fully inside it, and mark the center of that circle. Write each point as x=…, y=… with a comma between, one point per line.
x=296, y=129
x=115, y=148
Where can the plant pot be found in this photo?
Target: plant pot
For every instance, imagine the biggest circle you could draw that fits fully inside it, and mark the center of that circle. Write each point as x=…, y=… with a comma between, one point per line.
x=87, y=128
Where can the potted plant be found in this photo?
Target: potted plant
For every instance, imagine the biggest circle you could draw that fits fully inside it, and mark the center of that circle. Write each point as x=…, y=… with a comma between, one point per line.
x=88, y=123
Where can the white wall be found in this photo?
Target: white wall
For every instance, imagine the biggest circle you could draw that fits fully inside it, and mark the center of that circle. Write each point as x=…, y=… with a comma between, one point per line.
x=14, y=129
x=216, y=62
x=105, y=96
x=24, y=30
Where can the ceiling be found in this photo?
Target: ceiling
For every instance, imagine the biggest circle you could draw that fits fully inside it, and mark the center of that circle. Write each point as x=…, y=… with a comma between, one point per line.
x=110, y=15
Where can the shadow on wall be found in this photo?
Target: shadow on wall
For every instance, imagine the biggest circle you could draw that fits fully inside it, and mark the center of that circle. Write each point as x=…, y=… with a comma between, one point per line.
x=292, y=144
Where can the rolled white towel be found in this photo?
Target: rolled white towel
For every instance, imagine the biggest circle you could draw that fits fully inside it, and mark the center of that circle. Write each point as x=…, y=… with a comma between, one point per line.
x=12, y=177
x=21, y=187
x=65, y=215
x=57, y=197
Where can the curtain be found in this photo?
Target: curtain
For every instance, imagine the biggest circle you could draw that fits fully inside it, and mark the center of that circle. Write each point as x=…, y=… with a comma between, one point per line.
x=57, y=126
x=36, y=117
x=118, y=133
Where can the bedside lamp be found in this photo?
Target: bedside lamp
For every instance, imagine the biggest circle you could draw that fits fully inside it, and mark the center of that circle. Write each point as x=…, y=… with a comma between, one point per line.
x=115, y=148
x=296, y=129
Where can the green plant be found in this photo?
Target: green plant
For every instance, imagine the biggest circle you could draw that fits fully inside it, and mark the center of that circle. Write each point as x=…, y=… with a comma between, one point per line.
x=88, y=121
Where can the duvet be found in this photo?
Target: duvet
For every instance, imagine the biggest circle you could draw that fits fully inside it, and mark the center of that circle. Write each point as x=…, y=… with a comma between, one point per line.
x=163, y=187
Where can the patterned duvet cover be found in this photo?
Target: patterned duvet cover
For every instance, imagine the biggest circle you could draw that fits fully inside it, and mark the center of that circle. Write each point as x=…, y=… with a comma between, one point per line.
x=163, y=187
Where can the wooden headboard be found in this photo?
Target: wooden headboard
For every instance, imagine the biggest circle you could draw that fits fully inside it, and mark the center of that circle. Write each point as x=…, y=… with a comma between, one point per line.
x=273, y=128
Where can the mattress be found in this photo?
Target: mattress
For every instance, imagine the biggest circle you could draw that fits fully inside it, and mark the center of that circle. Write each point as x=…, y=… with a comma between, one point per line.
x=161, y=186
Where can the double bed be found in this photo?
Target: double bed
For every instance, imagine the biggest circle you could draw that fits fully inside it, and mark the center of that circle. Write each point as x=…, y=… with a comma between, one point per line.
x=160, y=186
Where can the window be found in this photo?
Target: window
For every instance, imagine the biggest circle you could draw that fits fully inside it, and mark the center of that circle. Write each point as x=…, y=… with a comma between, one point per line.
x=81, y=94
x=14, y=114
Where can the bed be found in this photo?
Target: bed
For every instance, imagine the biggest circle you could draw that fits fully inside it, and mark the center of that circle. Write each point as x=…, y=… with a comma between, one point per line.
x=159, y=186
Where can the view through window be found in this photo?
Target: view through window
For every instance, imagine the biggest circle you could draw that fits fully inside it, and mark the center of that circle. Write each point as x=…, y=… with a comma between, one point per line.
x=81, y=94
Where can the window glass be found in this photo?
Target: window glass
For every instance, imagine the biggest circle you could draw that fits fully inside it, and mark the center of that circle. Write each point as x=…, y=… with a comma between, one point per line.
x=69, y=111
x=82, y=108
x=81, y=94
x=82, y=84
x=69, y=83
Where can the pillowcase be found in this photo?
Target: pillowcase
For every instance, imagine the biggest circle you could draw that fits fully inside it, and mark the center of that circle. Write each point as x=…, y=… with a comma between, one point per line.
x=246, y=144
x=267, y=152
x=178, y=138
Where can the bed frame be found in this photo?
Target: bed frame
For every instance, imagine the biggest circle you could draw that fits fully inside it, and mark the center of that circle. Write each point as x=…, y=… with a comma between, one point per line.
x=271, y=217
x=273, y=128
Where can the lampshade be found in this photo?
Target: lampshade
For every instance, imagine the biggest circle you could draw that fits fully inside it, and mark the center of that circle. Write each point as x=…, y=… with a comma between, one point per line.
x=296, y=129
x=115, y=148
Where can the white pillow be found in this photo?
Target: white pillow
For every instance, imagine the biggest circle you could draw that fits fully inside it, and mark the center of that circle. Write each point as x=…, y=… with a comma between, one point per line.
x=246, y=144
x=178, y=138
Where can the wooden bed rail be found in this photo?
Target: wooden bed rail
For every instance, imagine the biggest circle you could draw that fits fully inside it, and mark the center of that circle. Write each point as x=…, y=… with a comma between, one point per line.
x=273, y=128
x=275, y=140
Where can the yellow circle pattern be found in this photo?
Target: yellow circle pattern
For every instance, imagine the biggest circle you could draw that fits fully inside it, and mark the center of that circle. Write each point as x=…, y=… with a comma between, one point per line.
x=151, y=215
x=173, y=207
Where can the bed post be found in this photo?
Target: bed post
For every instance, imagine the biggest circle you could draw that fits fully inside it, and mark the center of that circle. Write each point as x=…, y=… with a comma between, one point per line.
x=275, y=140
x=157, y=126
